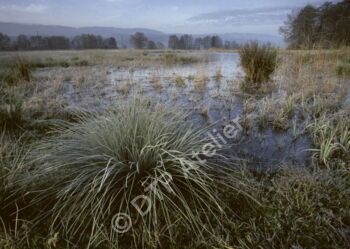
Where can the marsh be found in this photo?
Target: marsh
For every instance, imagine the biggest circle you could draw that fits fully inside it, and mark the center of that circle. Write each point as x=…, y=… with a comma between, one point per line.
x=115, y=139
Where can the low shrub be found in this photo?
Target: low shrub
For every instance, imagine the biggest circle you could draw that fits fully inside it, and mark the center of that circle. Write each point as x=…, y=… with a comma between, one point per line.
x=258, y=63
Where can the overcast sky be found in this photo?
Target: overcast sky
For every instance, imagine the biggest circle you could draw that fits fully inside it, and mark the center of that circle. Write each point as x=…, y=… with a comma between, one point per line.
x=170, y=16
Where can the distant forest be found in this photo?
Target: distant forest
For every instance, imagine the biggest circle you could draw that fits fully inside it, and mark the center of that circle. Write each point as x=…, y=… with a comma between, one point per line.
x=188, y=42
x=85, y=41
x=327, y=26
x=90, y=41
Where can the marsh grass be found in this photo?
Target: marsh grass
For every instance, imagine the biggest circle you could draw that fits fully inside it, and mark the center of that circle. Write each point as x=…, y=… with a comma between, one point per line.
x=173, y=58
x=155, y=80
x=123, y=88
x=179, y=81
x=280, y=120
x=343, y=69
x=264, y=111
x=19, y=71
x=88, y=171
x=332, y=140
x=112, y=160
x=200, y=81
x=11, y=109
x=297, y=210
x=258, y=63
x=190, y=77
x=205, y=111
x=307, y=208
x=13, y=161
x=218, y=75
x=65, y=63
x=288, y=106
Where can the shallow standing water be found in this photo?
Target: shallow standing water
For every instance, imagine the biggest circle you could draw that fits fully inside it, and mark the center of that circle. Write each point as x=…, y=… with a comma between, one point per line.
x=208, y=93
x=216, y=104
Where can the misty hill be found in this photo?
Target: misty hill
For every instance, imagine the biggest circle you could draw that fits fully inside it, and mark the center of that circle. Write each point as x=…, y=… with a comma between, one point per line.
x=121, y=34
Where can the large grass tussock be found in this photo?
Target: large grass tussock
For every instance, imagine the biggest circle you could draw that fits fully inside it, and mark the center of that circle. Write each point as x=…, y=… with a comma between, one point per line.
x=95, y=169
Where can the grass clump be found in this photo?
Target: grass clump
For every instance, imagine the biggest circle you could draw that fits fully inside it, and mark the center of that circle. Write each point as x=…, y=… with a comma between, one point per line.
x=218, y=75
x=156, y=81
x=343, y=69
x=200, y=81
x=258, y=63
x=95, y=169
x=11, y=109
x=331, y=140
x=20, y=71
x=180, y=81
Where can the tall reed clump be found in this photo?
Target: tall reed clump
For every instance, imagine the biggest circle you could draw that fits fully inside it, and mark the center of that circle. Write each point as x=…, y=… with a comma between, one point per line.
x=258, y=62
x=103, y=166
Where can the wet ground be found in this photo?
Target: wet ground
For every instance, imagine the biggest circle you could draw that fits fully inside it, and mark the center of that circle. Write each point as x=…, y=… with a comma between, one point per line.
x=207, y=91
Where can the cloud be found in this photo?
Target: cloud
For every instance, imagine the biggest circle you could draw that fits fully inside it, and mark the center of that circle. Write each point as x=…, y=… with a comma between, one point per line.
x=31, y=8
x=243, y=16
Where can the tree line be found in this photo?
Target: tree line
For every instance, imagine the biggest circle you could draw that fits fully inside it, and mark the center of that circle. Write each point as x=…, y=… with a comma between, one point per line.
x=326, y=26
x=140, y=41
x=89, y=41
x=84, y=41
x=188, y=42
